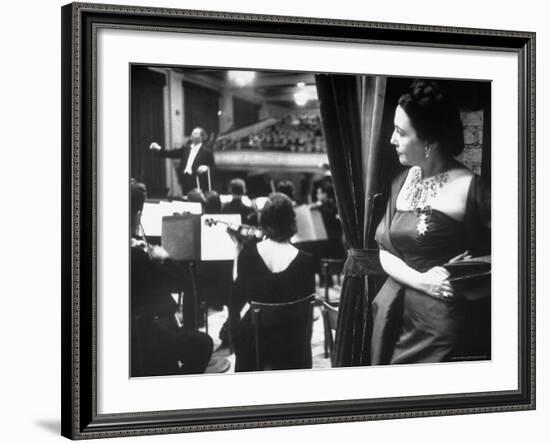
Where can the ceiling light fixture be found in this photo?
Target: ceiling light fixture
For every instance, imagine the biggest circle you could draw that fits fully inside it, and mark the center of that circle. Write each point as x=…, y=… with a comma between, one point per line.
x=304, y=94
x=241, y=78
x=300, y=98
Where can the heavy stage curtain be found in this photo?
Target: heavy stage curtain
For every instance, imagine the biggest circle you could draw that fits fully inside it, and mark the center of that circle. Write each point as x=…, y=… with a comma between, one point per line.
x=147, y=126
x=351, y=113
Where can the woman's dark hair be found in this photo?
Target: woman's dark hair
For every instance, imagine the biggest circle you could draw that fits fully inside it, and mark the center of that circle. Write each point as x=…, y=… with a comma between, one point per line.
x=195, y=195
x=286, y=187
x=277, y=218
x=327, y=188
x=212, y=203
x=138, y=194
x=434, y=116
x=237, y=186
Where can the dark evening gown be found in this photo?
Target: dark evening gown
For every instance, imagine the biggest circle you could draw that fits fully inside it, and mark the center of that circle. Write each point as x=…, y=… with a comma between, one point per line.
x=411, y=326
x=255, y=282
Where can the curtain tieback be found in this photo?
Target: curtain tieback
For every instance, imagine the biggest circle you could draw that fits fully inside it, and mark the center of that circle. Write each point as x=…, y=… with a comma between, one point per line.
x=362, y=262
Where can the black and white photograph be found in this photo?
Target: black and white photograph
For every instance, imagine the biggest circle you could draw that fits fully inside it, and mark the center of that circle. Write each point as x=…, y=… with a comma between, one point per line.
x=285, y=220
x=281, y=221
x=273, y=221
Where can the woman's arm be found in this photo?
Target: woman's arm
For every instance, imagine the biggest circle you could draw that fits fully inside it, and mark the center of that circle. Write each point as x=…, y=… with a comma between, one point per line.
x=432, y=282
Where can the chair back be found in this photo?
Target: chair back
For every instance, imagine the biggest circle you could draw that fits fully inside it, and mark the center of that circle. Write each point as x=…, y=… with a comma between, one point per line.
x=282, y=333
x=330, y=322
x=330, y=267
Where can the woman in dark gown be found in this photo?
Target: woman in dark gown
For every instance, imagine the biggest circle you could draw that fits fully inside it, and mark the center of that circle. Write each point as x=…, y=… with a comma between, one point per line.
x=272, y=271
x=438, y=213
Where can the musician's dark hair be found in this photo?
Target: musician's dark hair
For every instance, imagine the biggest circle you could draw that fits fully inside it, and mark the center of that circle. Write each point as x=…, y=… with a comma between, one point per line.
x=434, y=116
x=212, y=203
x=286, y=187
x=277, y=217
x=237, y=186
x=195, y=195
x=327, y=188
x=138, y=194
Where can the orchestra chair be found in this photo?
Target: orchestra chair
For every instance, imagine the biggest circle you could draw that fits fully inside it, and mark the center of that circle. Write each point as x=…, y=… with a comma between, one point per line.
x=216, y=364
x=191, y=320
x=204, y=311
x=291, y=324
x=330, y=267
x=330, y=320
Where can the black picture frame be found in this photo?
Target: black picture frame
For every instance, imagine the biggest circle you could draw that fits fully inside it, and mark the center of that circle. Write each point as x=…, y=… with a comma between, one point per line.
x=79, y=211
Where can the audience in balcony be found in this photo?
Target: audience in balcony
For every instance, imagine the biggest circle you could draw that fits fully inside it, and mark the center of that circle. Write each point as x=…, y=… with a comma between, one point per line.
x=293, y=133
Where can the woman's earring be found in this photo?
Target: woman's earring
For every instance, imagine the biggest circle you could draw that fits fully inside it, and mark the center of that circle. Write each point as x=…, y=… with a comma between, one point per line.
x=427, y=151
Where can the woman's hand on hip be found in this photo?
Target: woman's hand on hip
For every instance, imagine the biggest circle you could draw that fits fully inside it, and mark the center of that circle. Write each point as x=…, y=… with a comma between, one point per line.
x=435, y=283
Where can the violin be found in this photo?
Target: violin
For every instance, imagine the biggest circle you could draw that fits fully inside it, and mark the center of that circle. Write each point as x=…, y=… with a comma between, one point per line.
x=242, y=232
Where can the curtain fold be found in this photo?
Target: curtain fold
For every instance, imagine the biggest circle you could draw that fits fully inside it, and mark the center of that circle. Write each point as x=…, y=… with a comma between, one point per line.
x=373, y=92
x=146, y=126
x=351, y=114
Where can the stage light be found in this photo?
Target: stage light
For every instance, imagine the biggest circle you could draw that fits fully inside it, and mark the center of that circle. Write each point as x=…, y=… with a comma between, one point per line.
x=241, y=78
x=300, y=98
x=304, y=93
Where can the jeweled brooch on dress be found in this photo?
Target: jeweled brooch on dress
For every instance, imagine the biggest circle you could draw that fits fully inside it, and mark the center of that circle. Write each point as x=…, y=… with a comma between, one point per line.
x=422, y=215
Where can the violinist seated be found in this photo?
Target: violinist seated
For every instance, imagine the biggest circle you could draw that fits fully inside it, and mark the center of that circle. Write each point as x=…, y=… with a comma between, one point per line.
x=212, y=202
x=161, y=345
x=287, y=188
x=270, y=271
x=326, y=205
x=332, y=247
x=237, y=187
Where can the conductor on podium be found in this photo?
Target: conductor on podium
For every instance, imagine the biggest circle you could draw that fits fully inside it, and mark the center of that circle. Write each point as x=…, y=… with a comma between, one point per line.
x=194, y=158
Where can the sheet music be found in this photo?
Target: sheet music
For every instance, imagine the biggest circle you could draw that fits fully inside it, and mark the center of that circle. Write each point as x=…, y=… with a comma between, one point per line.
x=226, y=198
x=260, y=202
x=309, y=224
x=151, y=219
x=151, y=216
x=192, y=207
x=216, y=244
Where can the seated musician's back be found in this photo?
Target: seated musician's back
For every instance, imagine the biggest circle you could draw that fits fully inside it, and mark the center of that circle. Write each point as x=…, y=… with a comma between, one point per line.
x=272, y=271
x=160, y=343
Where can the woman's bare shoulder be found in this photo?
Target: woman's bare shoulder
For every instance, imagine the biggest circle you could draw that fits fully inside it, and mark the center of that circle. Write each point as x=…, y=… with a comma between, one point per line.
x=452, y=196
x=460, y=170
x=460, y=179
